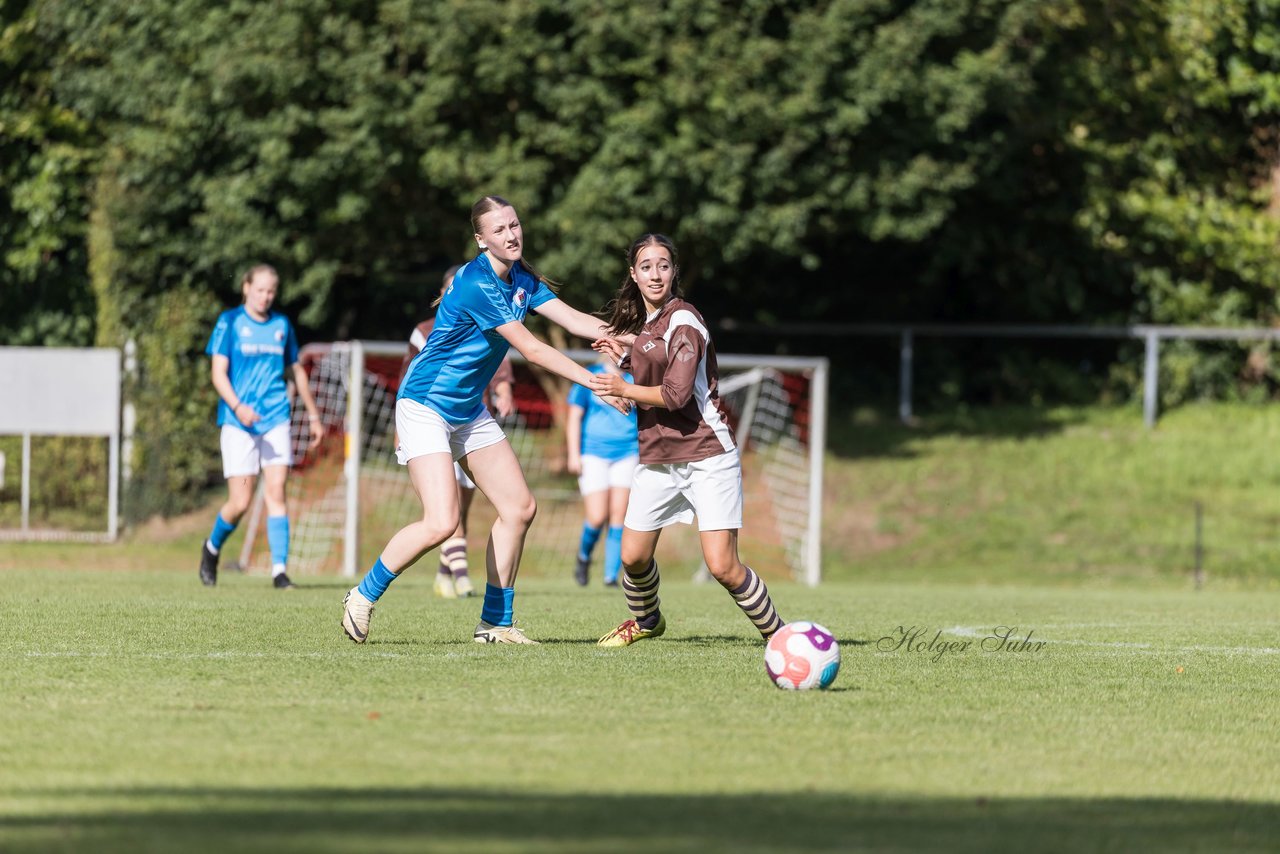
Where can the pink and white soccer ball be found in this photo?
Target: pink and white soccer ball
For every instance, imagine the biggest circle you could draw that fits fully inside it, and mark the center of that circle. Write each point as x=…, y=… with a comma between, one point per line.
x=802, y=655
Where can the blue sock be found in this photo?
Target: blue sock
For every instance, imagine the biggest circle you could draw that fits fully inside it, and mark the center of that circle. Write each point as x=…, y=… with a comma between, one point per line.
x=499, y=605
x=613, y=553
x=278, y=539
x=376, y=581
x=588, y=542
x=221, y=530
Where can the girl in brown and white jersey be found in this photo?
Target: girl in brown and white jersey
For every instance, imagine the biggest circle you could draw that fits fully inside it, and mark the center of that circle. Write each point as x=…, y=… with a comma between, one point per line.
x=689, y=462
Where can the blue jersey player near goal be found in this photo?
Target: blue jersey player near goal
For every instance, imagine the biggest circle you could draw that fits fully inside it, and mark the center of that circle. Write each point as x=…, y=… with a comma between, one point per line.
x=441, y=418
x=603, y=451
x=250, y=348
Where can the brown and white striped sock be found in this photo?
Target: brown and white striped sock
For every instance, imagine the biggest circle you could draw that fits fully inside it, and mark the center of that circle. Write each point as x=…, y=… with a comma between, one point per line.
x=754, y=600
x=642, y=595
x=453, y=557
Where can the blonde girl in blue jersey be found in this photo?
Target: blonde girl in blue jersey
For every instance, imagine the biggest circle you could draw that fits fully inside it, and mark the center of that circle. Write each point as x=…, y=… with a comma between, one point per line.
x=440, y=418
x=250, y=349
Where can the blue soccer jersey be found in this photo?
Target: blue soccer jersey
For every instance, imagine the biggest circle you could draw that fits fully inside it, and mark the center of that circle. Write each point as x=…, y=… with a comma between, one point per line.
x=258, y=352
x=463, y=352
x=606, y=432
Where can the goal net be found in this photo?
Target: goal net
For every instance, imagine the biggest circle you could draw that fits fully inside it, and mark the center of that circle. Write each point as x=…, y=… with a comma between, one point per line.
x=777, y=404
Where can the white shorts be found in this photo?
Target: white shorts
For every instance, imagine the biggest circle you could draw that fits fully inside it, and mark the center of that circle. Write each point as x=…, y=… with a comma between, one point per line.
x=599, y=474
x=461, y=476
x=424, y=431
x=244, y=453
x=710, y=489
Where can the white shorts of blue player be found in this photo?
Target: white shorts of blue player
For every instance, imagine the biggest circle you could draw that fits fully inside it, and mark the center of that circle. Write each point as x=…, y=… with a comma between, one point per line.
x=441, y=419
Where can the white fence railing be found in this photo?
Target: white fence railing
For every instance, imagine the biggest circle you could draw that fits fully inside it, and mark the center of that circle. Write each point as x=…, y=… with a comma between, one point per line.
x=908, y=332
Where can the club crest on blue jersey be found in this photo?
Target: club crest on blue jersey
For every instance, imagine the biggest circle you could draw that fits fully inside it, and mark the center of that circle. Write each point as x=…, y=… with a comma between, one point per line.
x=518, y=299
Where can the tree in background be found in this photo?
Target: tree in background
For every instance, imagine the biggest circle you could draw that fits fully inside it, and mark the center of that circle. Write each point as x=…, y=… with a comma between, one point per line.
x=46, y=155
x=1022, y=160
x=1178, y=139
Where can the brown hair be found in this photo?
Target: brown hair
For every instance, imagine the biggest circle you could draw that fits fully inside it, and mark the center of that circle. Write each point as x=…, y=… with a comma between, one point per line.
x=445, y=281
x=253, y=271
x=493, y=203
x=626, y=312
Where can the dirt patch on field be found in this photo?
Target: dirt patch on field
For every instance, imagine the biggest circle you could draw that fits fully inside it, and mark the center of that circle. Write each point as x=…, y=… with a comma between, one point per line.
x=157, y=544
x=159, y=529
x=861, y=529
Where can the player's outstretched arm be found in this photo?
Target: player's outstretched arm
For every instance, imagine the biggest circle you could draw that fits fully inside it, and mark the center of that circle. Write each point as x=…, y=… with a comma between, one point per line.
x=613, y=348
x=545, y=356
x=574, y=322
x=613, y=385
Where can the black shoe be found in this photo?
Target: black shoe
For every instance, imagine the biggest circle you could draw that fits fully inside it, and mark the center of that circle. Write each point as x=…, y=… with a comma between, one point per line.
x=208, y=565
x=581, y=572
x=282, y=582
x=612, y=583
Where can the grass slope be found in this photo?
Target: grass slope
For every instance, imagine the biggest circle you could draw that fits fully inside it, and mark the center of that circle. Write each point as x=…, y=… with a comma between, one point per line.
x=139, y=711
x=1056, y=495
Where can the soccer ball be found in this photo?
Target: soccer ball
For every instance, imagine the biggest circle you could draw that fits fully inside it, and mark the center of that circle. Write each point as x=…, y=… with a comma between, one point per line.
x=801, y=656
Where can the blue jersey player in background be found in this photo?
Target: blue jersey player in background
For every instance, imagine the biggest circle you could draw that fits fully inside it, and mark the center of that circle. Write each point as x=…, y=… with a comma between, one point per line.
x=441, y=417
x=251, y=346
x=603, y=451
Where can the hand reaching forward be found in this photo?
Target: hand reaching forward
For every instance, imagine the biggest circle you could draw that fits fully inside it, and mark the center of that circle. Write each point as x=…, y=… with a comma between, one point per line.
x=611, y=347
x=607, y=383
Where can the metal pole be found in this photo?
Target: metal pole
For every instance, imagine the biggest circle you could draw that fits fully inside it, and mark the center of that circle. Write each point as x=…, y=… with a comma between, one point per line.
x=1150, y=378
x=113, y=485
x=26, y=482
x=748, y=419
x=251, y=529
x=113, y=469
x=128, y=413
x=904, y=376
x=817, y=445
x=353, y=446
x=1199, y=574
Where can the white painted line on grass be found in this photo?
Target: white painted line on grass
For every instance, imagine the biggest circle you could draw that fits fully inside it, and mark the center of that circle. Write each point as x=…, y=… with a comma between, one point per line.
x=985, y=632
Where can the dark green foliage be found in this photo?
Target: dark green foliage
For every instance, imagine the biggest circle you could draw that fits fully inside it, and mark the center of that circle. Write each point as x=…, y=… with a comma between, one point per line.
x=68, y=483
x=45, y=156
x=1065, y=161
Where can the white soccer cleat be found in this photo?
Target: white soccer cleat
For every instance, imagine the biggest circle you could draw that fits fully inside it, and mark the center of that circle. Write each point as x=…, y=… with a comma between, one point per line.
x=444, y=587
x=486, y=633
x=463, y=586
x=356, y=612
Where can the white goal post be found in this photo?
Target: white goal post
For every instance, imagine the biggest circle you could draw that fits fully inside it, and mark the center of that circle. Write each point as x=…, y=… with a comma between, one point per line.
x=778, y=405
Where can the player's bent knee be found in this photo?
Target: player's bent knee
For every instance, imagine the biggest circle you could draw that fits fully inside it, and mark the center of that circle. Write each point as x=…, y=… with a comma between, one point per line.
x=233, y=510
x=525, y=512
x=728, y=573
x=432, y=533
x=635, y=564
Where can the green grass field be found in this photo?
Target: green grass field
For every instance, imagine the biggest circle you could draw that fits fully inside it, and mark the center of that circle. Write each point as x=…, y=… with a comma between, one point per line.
x=139, y=711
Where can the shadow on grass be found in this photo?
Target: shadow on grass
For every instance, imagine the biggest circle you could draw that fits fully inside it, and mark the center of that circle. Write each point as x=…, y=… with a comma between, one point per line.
x=428, y=819
x=311, y=582
x=695, y=640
